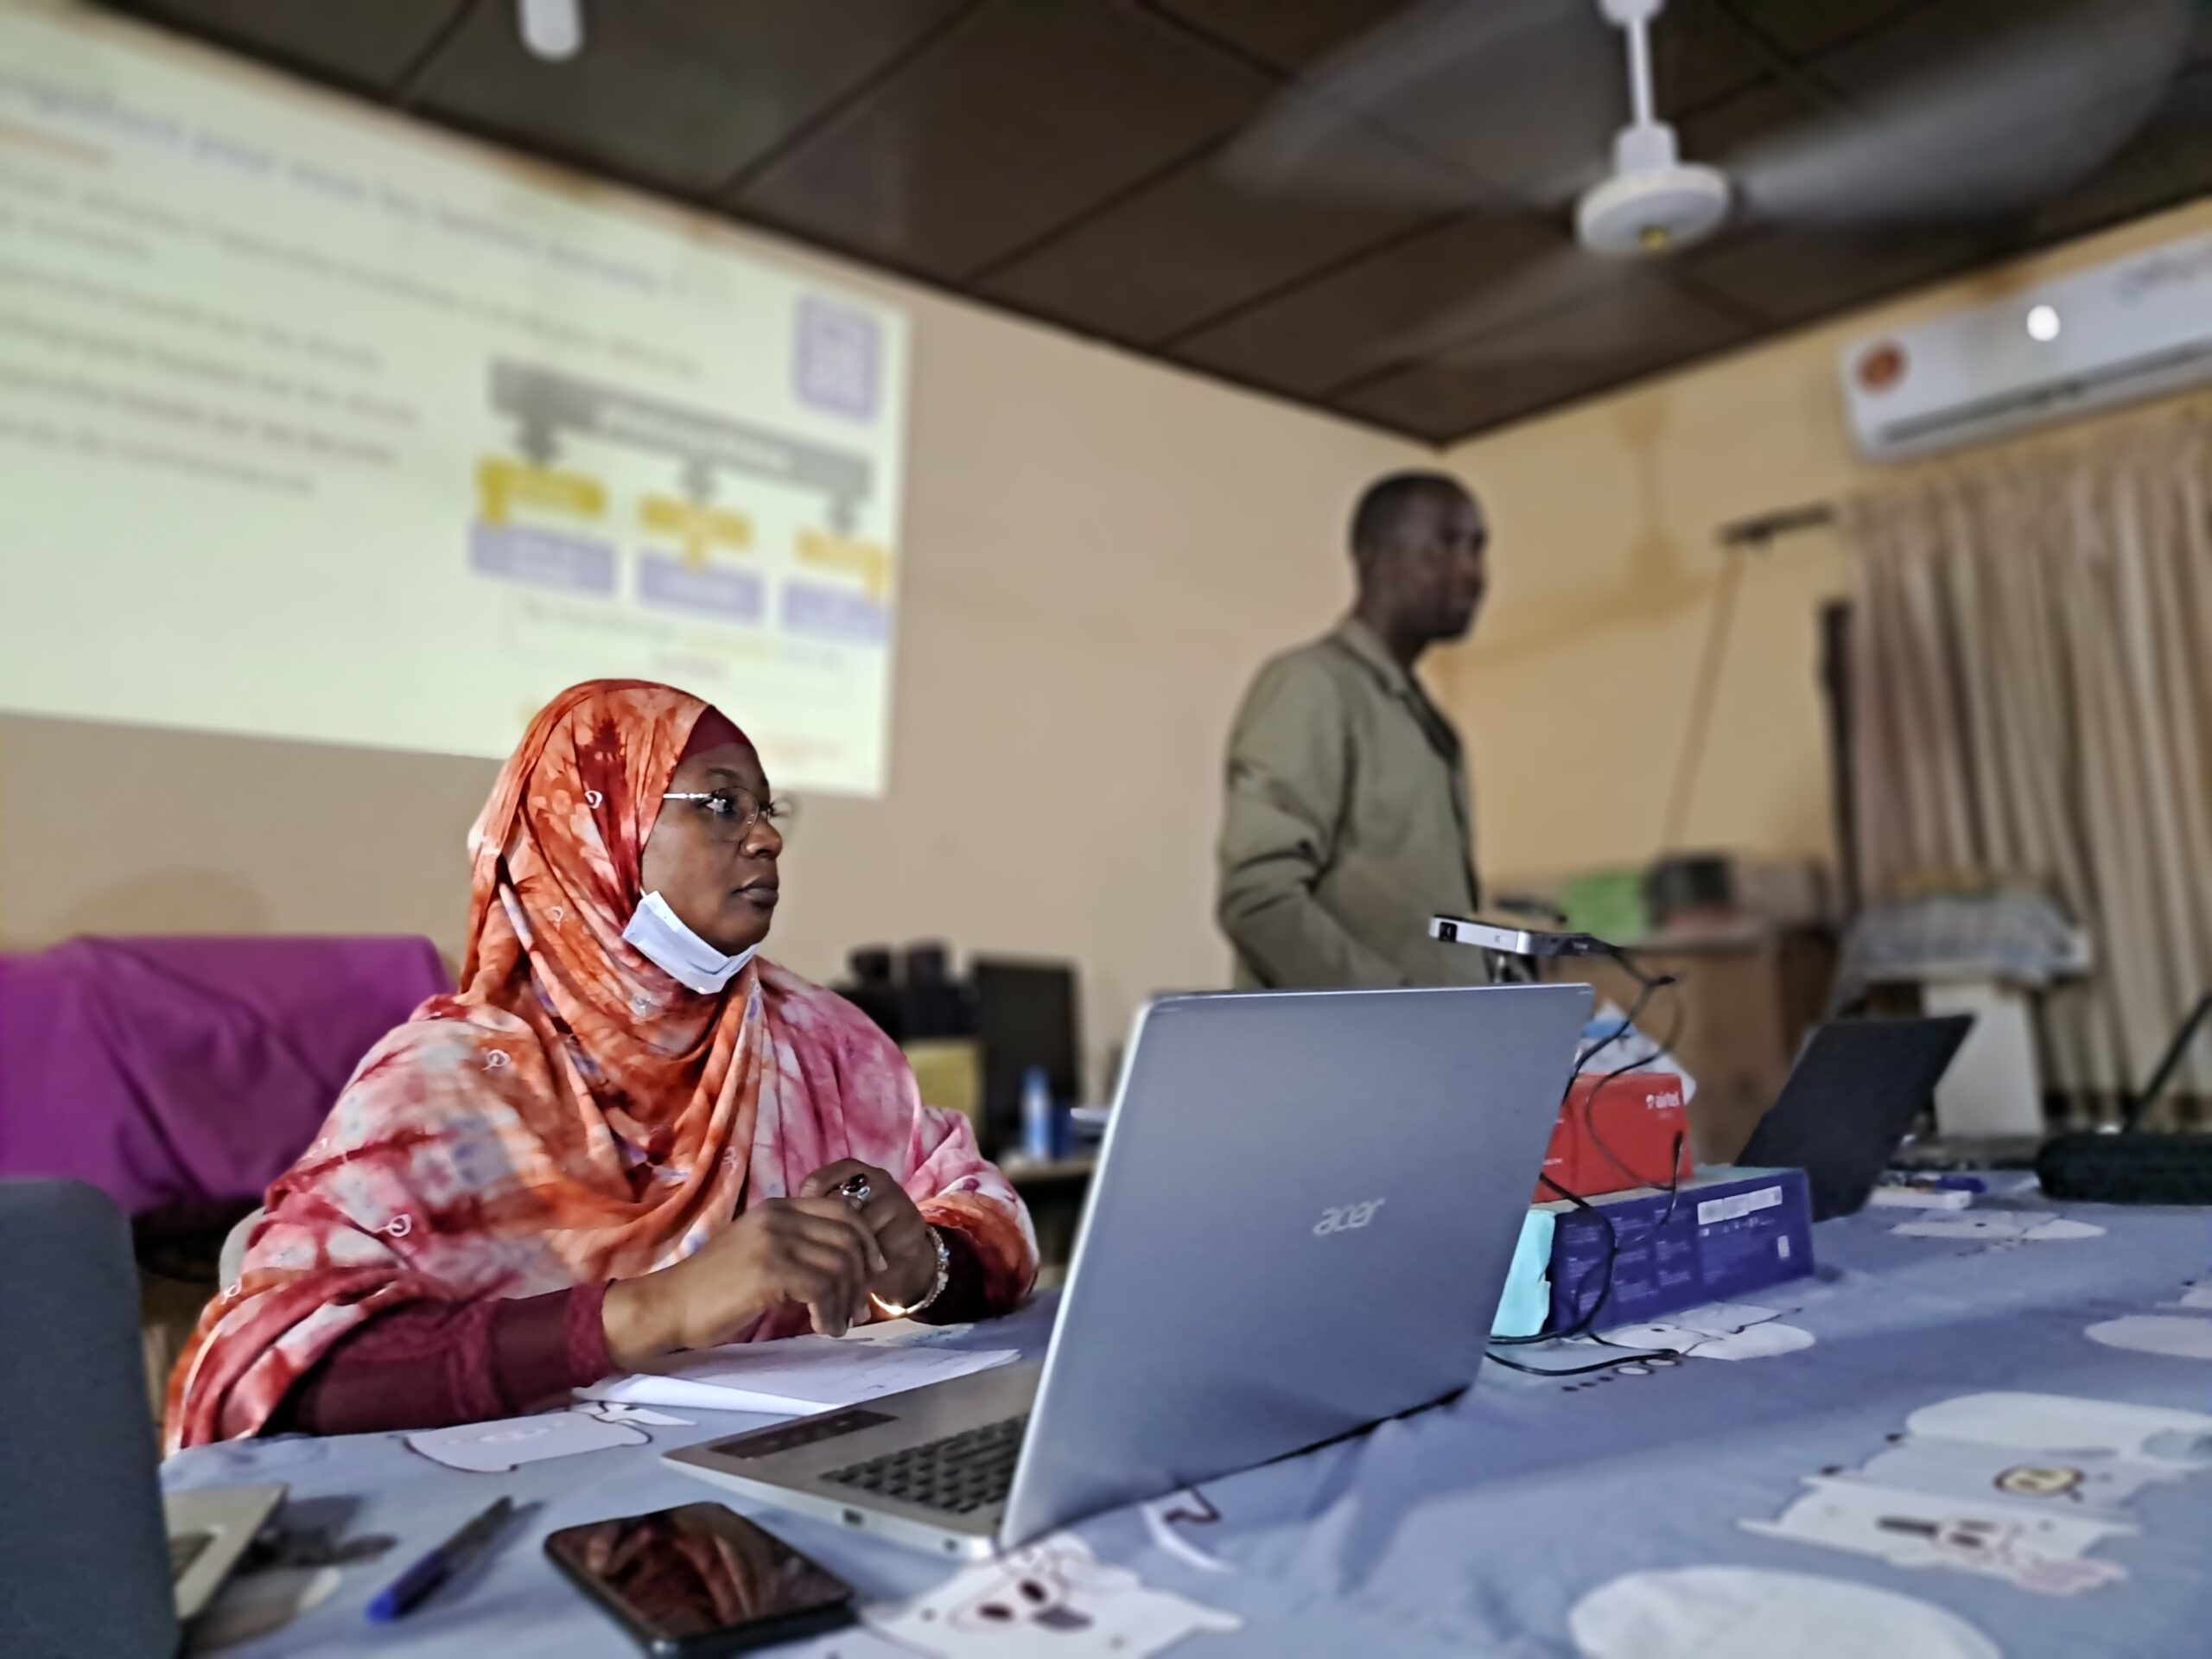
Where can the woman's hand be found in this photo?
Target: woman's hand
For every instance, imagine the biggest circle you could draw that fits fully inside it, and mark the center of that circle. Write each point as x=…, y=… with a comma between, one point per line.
x=909, y=1251
x=810, y=1250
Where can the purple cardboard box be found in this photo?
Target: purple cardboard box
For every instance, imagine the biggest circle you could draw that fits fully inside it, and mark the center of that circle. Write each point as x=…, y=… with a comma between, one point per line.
x=1728, y=1233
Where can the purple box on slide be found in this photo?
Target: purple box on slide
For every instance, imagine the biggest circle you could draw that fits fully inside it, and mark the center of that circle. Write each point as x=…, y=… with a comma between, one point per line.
x=834, y=613
x=543, y=558
x=718, y=591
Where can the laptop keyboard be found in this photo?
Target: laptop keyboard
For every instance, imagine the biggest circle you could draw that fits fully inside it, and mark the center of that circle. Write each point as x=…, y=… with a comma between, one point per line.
x=961, y=1473
x=185, y=1549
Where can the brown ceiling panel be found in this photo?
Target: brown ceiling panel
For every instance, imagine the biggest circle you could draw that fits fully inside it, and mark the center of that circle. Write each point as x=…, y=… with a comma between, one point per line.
x=2168, y=162
x=2011, y=108
x=1948, y=39
x=672, y=94
x=1801, y=27
x=1014, y=123
x=1439, y=405
x=1286, y=34
x=1632, y=329
x=1717, y=131
x=360, y=43
x=1476, y=272
x=1197, y=244
x=1787, y=277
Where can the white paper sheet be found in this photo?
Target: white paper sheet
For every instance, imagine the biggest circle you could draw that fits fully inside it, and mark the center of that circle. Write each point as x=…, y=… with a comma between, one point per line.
x=795, y=1377
x=496, y=1447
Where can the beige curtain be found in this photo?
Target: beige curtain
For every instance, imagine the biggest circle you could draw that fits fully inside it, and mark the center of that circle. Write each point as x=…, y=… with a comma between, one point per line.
x=2032, y=687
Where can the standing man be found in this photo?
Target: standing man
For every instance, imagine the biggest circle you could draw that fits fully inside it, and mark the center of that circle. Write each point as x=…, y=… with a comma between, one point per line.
x=1346, y=824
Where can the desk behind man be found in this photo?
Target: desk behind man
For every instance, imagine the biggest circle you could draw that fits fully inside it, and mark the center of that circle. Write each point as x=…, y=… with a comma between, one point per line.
x=1346, y=823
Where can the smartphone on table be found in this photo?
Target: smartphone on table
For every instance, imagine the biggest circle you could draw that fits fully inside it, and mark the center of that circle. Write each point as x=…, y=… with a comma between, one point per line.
x=700, y=1581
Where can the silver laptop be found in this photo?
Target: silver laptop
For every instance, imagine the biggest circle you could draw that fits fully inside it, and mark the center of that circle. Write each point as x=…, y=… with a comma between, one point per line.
x=94, y=1562
x=1300, y=1224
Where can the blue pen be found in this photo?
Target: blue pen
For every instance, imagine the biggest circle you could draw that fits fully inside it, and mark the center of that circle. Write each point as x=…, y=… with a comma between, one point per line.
x=406, y=1591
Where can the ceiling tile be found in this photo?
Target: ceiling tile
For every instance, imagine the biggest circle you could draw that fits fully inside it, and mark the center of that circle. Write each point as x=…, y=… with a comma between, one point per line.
x=1787, y=277
x=1288, y=34
x=1198, y=244
x=1475, y=272
x=365, y=43
x=1012, y=125
x=1715, y=132
x=2168, y=160
x=1946, y=44
x=1971, y=111
x=672, y=94
x=1801, y=27
x=1441, y=406
x=1699, y=54
x=1630, y=330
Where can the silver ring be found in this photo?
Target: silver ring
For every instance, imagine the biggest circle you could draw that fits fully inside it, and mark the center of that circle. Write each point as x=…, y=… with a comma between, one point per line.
x=857, y=1190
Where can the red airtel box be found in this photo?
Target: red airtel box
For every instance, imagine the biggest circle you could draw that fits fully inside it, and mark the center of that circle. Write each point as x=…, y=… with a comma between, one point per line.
x=1621, y=1138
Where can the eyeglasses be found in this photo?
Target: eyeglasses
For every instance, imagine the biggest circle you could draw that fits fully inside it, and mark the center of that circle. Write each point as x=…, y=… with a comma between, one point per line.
x=730, y=812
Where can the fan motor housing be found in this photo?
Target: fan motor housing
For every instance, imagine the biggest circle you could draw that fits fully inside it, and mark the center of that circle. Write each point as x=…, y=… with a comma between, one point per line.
x=1652, y=210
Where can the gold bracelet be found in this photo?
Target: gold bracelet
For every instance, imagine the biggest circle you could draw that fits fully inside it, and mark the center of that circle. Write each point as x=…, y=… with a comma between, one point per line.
x=893, y=1311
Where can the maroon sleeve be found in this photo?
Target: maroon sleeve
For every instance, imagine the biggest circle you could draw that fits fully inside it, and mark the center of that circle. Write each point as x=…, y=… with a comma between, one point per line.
x=429, y=1364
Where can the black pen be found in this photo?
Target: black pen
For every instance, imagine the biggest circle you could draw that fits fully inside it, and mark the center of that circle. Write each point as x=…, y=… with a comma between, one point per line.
x=406, y=1591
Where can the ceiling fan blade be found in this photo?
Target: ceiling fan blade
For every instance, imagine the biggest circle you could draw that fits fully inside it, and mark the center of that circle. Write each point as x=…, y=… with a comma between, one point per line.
x=1466, y=80
x=1985, y=134
x=1459, y=332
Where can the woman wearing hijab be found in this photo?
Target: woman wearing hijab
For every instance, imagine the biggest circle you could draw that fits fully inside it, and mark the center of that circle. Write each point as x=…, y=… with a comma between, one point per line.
x=625, y=1136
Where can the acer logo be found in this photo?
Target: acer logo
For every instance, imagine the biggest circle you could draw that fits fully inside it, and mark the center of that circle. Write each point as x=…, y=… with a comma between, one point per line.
x=1346, y=1218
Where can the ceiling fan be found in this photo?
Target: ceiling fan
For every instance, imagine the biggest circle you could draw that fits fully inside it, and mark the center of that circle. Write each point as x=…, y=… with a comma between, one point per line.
x=2049, y=94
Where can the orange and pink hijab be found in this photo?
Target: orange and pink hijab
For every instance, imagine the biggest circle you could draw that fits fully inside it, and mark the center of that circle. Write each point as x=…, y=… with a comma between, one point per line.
x=572, y=1114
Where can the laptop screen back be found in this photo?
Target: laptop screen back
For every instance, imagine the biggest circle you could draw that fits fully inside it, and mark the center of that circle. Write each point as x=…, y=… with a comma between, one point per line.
x=84, y=1557
x=1851, y=1096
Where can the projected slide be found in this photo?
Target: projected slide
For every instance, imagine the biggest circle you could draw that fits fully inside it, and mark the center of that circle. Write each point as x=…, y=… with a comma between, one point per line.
x=316, y=425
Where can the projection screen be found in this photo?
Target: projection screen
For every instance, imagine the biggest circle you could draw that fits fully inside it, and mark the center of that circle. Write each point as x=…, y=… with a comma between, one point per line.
x=315, y=423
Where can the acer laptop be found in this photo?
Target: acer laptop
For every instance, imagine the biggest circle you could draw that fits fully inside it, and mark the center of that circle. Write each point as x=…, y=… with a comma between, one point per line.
x=1300, y=1224
x=94, y=1562
x=1854, y=1091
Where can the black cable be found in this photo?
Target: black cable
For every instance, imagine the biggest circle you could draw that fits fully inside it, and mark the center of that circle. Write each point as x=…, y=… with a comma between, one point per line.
x=1628, y=1356
x=1589, y=1101
x=1627, y=1023
x=1611, y=1245
x=1584, y=1321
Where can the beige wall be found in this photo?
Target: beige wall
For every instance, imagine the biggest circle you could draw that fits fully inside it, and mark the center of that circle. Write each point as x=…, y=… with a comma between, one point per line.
x=1575, y=692
x=1097, y=553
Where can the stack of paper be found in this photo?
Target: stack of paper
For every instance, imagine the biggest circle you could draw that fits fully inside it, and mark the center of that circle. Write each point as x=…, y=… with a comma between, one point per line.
x=794, y=1377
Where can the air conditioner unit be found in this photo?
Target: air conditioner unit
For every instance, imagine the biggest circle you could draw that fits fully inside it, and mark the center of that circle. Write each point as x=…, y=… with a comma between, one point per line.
x=2131, y=328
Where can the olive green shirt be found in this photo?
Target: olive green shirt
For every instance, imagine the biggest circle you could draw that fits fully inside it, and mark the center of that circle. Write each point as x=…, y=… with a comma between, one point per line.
x=1344, y=824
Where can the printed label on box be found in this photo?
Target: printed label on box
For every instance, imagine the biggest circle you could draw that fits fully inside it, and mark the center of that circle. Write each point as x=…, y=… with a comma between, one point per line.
x=1739, y=1204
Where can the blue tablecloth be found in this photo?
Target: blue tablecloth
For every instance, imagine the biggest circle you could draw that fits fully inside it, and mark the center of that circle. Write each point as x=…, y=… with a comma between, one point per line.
x=1595, y=1514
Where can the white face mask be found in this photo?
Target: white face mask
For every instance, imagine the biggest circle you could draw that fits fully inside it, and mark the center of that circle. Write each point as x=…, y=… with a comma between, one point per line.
x=658, y=935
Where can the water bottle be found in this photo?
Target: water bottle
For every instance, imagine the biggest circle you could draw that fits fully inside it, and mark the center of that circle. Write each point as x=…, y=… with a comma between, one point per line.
x=1038, y=1136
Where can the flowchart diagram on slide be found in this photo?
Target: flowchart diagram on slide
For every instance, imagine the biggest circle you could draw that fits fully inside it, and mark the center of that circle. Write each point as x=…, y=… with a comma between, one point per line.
x=566, y=511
